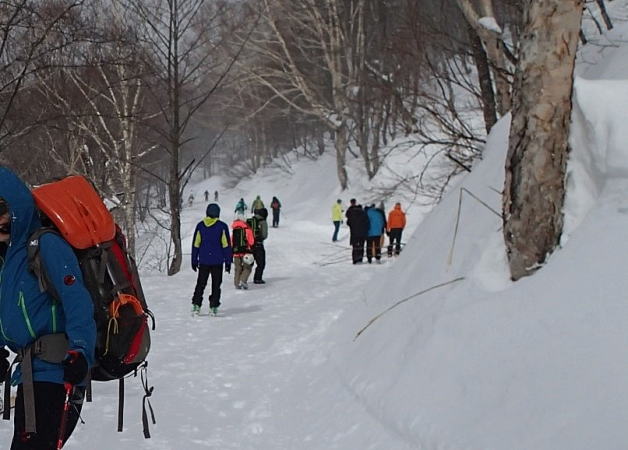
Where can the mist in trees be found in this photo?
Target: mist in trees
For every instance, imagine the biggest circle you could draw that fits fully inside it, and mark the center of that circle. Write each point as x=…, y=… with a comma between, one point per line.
x=139, y=95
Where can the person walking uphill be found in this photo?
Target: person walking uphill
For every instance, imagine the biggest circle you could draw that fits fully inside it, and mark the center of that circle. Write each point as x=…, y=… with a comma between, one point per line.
x=336, y=218
x=242, y=241
x=276, y=207
x=395, y=226
x=260, y=231
x=257, y=204
x=240, y=207
x=211, y=248
x=27, y=319
x=358, y=225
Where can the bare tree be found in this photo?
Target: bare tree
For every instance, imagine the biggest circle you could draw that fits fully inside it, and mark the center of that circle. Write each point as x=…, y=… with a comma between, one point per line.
x=30, y=32
x=182, y=38
x=534, y=188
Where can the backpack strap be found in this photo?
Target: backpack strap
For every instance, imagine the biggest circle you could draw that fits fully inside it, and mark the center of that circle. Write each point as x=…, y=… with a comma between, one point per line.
x=50, y=348
x=34, y=261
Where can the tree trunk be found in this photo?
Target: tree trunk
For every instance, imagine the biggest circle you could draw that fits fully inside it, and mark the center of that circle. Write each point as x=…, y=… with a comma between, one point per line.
x=484, y=77
x=535, y=165
x=341, y=143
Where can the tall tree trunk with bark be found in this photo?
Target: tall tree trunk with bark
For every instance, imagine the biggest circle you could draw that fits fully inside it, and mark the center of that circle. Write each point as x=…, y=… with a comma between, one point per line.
x=534, y=187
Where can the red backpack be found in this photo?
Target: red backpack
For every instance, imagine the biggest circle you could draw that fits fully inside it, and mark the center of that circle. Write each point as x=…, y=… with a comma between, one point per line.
x=77, y=213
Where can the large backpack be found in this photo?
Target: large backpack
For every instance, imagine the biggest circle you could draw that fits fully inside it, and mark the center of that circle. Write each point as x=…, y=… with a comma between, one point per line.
x=239, y=243
x=255, y=225
x=76, y=212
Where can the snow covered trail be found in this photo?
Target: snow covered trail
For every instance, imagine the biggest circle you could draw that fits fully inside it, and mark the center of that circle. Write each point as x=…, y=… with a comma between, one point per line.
x=256, y=376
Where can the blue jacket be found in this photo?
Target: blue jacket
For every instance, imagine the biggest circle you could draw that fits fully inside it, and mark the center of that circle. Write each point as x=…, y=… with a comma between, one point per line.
x=377, y=222
x=26, y=313
x=211, y=245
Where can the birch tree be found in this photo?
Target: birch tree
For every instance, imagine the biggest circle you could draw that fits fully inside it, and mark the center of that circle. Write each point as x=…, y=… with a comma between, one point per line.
x=484, y=23
x=534, y=188
x=310, y=62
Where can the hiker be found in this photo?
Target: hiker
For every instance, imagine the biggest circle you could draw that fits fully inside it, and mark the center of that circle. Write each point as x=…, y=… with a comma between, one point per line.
x=72, y=320
x=242, y=241
x=191, y=200
x=396, y=224
x=216, y=197
x=336, y=218
x=377, y=225
x=211, y=248
x=358, y=225
x=257, y=204
x=240, y=207
x=276, y=207
x=260, y=232
x=206, y=194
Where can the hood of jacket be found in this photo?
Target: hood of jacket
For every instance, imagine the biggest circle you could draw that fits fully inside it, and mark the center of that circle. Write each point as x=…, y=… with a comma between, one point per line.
x=24, y=217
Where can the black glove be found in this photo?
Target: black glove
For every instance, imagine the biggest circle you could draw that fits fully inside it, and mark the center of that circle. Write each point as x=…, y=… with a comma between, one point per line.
x=4, y=362
x=228, y=267
x=194, y=267
x=74, y=367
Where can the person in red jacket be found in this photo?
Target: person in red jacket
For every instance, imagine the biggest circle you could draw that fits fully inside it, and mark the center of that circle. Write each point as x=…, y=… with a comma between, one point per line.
x=242, y=240
x=396, y=224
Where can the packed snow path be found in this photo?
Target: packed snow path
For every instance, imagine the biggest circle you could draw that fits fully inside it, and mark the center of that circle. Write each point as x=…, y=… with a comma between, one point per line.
x=256, y=376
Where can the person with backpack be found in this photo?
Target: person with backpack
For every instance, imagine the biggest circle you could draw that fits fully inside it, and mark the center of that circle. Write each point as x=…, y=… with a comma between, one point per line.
x=240, y=207
x=336, y=218
x=206, y=194
x=242, y=241
x=211, y=249
x=260, y=231
x=55, y=338
x=396, y=224
x=358, y=225
x=377, y=225
x=276, y=207
x=257, y=204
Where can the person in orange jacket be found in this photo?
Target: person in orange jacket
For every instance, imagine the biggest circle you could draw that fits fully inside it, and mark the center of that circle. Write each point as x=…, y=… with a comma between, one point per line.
x=396, y=224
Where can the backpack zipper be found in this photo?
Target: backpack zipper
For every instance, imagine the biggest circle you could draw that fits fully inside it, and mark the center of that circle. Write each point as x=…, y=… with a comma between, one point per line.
x=22, y=304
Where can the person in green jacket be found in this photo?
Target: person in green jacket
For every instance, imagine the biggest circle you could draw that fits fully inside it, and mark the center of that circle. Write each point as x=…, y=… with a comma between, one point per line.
x=336, y=217
x=257, y=204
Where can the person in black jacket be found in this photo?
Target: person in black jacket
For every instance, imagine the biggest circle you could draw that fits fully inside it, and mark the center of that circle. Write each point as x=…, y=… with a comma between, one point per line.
x=358, y=225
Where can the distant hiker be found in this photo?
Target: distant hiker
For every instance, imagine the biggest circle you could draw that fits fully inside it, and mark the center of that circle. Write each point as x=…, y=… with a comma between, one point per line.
x=47, y=360
x=396, y=224
x=242, y=241
x=260, y=231
x=216, y=197
x=257, y=204
x=276, y=207
x=336, y=218
x=377, y=226
x=206, y=194
x=211, y=248
x=191, y=200
x=240, y=207
x=358, y=225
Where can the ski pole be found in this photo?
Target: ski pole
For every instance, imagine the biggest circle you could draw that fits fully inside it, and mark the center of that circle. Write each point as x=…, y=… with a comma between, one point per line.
x=64, y=417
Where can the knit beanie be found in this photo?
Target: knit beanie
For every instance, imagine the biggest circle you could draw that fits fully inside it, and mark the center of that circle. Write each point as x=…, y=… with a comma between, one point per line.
x=213, y=210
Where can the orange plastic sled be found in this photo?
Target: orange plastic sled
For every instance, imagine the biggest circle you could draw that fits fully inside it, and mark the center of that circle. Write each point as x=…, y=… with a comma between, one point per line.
x=77, y=211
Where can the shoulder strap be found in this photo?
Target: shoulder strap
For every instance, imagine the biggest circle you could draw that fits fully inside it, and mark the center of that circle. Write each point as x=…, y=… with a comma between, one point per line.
x=34, y=261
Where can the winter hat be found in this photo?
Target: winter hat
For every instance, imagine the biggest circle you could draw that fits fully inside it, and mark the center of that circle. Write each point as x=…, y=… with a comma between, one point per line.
x=262, y=212
x=213, y=210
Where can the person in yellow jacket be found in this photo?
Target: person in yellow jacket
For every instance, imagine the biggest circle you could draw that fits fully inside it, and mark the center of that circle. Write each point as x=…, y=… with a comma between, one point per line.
x=336, y=217
x=395, y=225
